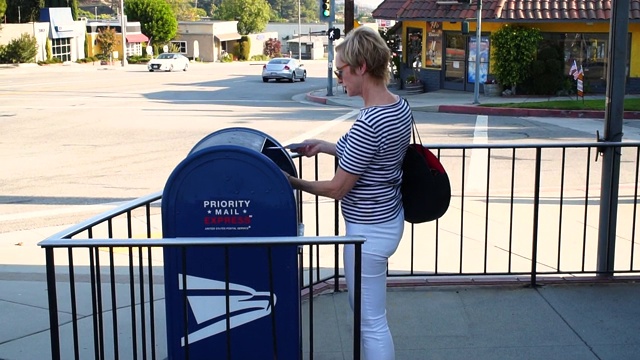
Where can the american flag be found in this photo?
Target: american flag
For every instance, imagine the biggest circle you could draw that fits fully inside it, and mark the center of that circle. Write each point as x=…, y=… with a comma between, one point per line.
x=574, y=70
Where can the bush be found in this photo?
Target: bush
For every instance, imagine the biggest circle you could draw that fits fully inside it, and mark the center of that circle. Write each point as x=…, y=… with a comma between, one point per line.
x=260, y=57
x=53, y=60
x=226, y=57
x=138, y=59
x=242, y=49
x=546, y=76
x=272, y=48
x=3, y=59
x=21, y=50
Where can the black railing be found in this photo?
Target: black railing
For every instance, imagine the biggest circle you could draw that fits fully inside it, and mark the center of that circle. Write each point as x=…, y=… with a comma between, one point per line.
x=104, y=297
x=529, y=212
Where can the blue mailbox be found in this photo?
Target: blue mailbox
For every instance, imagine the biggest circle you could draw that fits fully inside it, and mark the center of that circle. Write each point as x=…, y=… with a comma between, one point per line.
x=224, y=190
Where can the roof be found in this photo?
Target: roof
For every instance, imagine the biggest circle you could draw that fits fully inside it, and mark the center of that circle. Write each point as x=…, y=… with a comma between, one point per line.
x=504, y=10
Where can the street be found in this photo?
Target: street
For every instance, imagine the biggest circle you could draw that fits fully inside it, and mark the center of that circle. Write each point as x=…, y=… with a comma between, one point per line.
x=77, y=139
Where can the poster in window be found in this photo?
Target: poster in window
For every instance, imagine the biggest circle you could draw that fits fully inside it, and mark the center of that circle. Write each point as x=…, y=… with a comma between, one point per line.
x=434, y=45
x=484, y=60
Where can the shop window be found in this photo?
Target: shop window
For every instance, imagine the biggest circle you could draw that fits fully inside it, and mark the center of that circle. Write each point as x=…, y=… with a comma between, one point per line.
x=434, y=46
x=414, y=47
x=134, y=49
x=61, y=49
x=181, y=45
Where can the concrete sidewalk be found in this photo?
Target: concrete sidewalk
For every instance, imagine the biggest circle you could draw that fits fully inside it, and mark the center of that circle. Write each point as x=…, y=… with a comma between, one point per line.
x=452, y=101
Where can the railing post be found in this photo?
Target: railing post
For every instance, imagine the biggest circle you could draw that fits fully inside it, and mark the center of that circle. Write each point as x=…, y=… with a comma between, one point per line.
x=614, y=110
x=53, y=305
x=357, y=300
x=536, y=211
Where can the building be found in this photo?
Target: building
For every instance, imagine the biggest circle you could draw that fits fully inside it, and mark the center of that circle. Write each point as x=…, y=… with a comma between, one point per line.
x=433, y=42
x=134, y=37
x=56, y=26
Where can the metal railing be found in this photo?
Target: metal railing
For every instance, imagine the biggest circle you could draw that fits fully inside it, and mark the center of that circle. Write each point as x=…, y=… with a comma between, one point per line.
x=529, y=212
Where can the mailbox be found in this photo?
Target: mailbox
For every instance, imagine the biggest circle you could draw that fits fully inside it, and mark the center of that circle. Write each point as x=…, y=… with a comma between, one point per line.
x=241, y=302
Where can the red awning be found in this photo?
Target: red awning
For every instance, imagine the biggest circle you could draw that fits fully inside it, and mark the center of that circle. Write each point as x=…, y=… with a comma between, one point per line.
x=137, y=38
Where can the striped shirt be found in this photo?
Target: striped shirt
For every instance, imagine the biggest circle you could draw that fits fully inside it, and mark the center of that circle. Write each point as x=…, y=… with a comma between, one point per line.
x=373, y=149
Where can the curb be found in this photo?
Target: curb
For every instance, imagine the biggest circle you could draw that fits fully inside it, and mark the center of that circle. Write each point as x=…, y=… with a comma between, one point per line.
x=499, y=111
x=577, y=114
x=317, y=99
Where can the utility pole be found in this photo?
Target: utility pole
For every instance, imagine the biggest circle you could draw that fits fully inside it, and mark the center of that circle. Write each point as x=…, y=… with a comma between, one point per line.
x=348, y=16
x=123, y=31
x=299, y=35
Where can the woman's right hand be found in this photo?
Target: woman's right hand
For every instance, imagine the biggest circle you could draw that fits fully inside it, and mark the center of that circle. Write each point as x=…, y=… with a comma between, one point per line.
x=309, y=148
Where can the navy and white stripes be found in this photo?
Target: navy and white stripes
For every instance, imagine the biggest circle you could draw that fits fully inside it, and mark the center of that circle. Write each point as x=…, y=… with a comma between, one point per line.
x=374, y=148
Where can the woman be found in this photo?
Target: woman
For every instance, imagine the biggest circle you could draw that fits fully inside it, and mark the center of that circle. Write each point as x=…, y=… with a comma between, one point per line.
x=368, y=177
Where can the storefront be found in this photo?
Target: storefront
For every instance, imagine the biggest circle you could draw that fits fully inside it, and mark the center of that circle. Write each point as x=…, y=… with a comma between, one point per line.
x=437, y=52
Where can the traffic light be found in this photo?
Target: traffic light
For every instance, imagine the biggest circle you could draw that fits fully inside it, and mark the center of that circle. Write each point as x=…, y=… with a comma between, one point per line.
x=326, y=10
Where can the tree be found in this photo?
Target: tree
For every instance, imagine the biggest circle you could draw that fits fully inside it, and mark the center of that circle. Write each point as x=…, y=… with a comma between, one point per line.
x=73, y=4
x=3, y=8
x=183, y=10
x=514, y=49
x=252, y=15
x=106, y=39
x=23, y=11
x=156, y=18
x=273, y=48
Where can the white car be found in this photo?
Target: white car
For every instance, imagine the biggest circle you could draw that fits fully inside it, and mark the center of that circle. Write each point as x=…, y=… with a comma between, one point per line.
x=283, y=68
x=168, y=62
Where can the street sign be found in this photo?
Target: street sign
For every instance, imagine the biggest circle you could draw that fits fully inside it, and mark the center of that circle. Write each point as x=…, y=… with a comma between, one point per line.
x=333, y=34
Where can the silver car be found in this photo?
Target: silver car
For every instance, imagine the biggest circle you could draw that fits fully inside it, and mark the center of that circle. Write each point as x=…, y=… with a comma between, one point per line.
x=283, y=68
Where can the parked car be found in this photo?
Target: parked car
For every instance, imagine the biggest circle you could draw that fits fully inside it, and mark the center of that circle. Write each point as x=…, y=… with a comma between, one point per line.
x=168, y=62
x=283, y=68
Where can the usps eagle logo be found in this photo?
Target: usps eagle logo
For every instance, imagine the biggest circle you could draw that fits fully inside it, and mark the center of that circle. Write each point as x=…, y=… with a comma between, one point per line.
x=207, y=302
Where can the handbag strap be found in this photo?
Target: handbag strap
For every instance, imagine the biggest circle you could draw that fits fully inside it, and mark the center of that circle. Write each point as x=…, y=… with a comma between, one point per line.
x=414, y=128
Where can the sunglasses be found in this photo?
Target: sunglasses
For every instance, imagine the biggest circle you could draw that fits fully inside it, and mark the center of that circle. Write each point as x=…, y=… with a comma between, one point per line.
x=339, y=70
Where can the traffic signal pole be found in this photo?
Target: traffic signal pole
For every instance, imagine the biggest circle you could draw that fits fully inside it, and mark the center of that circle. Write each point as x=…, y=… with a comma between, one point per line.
x=327, y=13
x=330, y=65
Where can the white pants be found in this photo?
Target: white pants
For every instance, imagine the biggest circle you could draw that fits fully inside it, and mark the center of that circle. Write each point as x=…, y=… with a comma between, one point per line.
x=382, y=242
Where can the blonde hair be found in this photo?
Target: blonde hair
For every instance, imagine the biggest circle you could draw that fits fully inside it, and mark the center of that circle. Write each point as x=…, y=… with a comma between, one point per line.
x=365, y=46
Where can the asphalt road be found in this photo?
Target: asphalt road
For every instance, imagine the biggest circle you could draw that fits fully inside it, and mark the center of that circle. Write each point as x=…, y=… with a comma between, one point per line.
x=74, y=140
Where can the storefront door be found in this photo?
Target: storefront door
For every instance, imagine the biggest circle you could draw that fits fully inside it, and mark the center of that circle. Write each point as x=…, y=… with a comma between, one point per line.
x=460, y=63
x=455, y=64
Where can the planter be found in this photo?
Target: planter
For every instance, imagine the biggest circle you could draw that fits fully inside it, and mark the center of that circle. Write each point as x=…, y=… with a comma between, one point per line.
x=492, y=90
x=414, y=88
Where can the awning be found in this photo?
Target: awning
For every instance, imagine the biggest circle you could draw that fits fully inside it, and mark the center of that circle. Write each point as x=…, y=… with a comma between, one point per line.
x=60, y=20
x=136, y=38
x=227, y=37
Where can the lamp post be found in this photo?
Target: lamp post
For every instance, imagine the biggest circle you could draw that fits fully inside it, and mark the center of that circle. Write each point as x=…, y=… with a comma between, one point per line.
x=299, y=35
x=123, y=31
x=476, y=84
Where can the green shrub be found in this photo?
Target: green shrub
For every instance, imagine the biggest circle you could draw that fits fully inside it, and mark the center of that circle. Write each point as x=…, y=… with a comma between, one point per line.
x=53, y=60
x=138, y=59
x=21, y=50
x=546, y=75
x=3, y=52
x=260, y=57
x=226, y=58
x=242, y=49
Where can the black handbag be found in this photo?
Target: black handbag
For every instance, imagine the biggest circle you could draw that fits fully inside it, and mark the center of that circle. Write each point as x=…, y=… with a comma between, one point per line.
x=425, y=188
